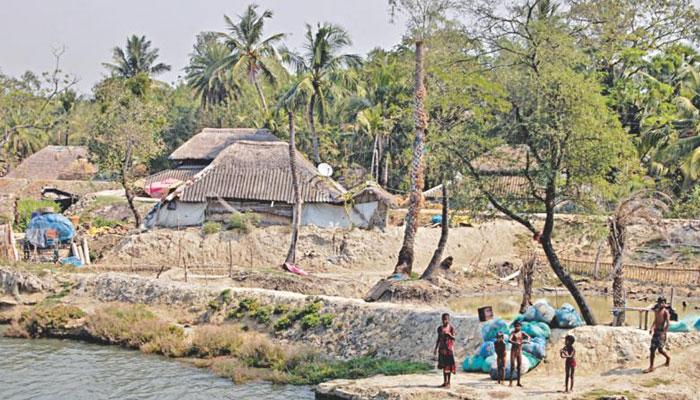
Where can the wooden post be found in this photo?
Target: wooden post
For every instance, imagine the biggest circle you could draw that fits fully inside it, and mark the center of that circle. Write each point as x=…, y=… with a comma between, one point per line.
x=230, y=260
x=673, y=293
x=185, y=272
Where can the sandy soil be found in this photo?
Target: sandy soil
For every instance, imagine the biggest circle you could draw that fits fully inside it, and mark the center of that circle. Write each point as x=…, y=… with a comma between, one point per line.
x=610, y=363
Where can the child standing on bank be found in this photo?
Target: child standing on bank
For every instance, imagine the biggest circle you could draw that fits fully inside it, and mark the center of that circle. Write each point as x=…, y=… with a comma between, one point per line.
x=517, y=339
x=445, y=347
x=500, y=347
x=568, y=353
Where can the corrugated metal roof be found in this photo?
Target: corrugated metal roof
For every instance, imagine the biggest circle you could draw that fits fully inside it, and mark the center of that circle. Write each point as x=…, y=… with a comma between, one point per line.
x=260, y=171
x=207, y=144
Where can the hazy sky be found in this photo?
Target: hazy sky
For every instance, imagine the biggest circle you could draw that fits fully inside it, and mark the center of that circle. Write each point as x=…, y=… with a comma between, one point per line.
x=89, y=29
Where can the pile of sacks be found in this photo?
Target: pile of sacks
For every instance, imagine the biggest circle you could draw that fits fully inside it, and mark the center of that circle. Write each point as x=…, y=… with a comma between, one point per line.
x=687, y=324
x=537, y=322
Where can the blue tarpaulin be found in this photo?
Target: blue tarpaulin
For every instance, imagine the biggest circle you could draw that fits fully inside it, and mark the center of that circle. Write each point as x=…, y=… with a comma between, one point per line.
x=47, y=230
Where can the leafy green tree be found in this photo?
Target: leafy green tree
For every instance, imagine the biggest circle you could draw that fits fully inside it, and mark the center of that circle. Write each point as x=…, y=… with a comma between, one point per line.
x=574, y=147
x=125, y=133
x=207, y=71
x=252, y=55
x=320, y=60
x=137, y=57
x=30, y=108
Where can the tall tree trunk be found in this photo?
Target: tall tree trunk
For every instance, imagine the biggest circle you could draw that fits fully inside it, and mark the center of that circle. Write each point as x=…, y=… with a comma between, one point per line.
x=374, y=164
x=296, y=215
x=567, y=281
x=312, y=128
x=128, y=193
x=420, y=119
x=616, y=240
x=445, y=225
x=261, y=94
x=385, y=172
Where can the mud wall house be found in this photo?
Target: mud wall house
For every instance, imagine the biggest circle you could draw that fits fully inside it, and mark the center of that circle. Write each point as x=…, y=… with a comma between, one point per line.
x=254, y=176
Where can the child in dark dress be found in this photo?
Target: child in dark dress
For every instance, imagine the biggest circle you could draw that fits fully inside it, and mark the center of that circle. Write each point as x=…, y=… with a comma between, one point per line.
x=500, y=346
x=569, y=354
x=445, y=347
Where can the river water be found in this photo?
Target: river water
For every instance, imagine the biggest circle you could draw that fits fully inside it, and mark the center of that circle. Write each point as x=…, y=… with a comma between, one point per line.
x=48, y=369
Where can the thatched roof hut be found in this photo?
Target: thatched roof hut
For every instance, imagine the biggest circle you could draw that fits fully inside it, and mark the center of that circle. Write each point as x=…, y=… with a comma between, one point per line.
x=260, y=171
x=254, y=176
x=56, y=163
x=206, y=145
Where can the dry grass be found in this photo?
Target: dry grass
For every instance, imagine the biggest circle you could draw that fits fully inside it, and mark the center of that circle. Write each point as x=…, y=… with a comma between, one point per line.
x=137, y=327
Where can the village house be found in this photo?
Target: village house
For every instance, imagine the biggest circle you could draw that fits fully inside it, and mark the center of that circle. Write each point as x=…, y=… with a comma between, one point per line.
x=248, y=170
x=66, y=163
x=502, y=172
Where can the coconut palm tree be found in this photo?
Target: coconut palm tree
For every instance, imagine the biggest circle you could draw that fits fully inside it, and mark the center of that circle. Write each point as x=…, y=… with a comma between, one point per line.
x=251, y=54
x=136, y=58
x=206, y=73
x=316, y=66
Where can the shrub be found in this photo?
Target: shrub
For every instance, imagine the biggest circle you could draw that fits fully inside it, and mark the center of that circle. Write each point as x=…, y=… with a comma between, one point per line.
x=310, y=321
x=248, y=305
x=283, y=323
x=211, y=228
x=136, y=326
x=327, y=320
x=213, y=341
x=689, y=207
x=314, y=371
x=42, y=318
x=25, y=208
x=100, y=222
x=259, y=352
x=242, y=222
x=262, y=315
x=310, y=308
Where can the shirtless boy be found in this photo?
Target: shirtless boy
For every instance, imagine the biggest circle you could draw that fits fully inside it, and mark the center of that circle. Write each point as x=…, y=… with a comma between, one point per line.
x=517, y=339
x=658, y=330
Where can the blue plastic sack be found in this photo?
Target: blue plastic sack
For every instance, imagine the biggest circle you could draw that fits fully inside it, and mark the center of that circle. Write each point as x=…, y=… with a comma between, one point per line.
x=73, y=260
x=537, y=347
x=567, y=317
x=524, y=368
x=543, y=311
x=536, y=329
x=473, y=363
x=490, y=329
x=39, y=226
x=678, y=326
x=530, y=314
x=436, y=219
x=487, y=349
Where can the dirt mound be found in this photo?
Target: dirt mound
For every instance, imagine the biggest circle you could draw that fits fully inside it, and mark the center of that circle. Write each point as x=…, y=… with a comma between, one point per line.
x=606, y=348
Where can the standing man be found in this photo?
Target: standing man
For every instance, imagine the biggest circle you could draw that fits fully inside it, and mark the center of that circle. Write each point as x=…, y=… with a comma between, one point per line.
x=662, y=319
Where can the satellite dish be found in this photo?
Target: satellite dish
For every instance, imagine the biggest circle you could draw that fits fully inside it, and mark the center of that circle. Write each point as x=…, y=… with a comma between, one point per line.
x=325, y=169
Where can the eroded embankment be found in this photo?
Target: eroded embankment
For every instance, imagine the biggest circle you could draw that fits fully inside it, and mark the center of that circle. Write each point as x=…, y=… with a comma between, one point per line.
x=350, y=328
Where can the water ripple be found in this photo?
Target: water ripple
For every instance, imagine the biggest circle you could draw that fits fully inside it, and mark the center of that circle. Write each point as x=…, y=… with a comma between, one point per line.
x=56, y=369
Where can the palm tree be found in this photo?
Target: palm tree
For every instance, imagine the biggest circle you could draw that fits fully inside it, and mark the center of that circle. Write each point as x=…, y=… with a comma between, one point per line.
x=206, y=73
x=289, y=102
x=320, y=60
x=136, y=58
x=250, y=53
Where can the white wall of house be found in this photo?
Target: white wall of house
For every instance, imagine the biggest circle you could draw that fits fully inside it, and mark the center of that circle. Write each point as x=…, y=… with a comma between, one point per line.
x=337, y=216
x=183, y=214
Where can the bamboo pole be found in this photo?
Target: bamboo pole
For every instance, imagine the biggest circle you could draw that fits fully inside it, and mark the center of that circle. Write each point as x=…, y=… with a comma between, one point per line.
x=86, y=252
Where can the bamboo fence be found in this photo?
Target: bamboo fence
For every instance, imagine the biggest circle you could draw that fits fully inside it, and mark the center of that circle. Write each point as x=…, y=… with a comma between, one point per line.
x=644, y=273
